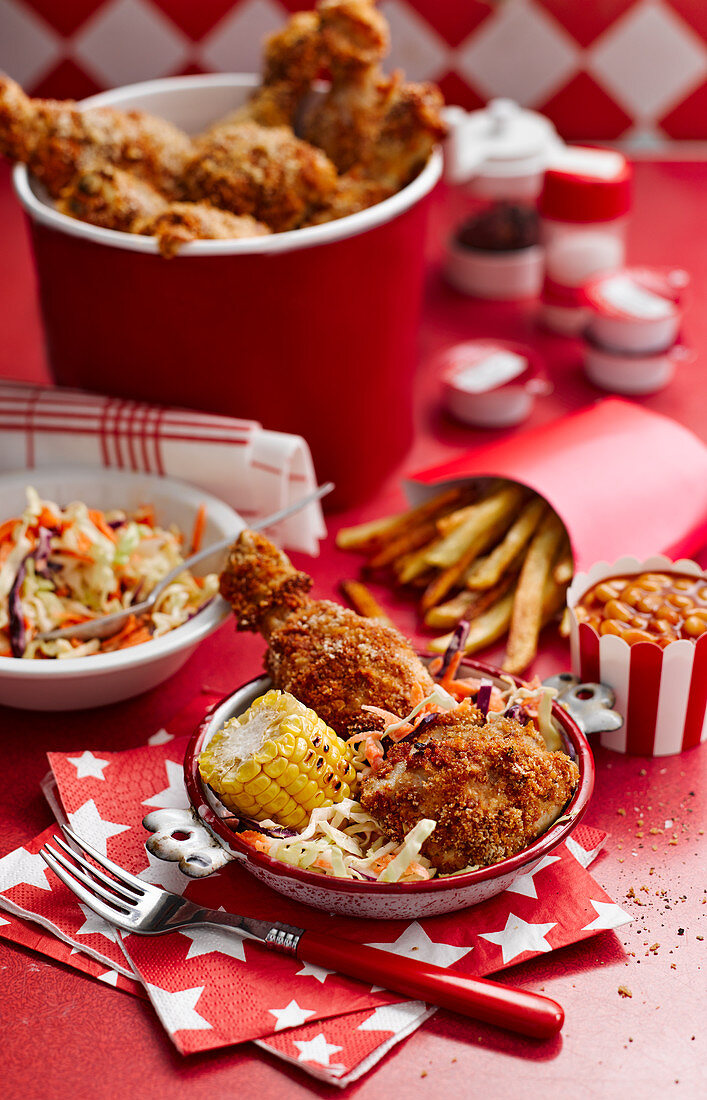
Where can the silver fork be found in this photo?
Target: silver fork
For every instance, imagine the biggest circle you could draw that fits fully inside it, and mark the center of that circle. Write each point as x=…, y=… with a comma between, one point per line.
x=136, y=906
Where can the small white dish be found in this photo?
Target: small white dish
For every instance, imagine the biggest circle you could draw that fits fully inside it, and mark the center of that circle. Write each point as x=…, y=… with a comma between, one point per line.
x=636, y=309
x=491, y=383
x=497, y=276
x=632, y=372
x=81, y=682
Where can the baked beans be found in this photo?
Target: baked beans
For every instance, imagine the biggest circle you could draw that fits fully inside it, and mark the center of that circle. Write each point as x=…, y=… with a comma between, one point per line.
x=648, y=607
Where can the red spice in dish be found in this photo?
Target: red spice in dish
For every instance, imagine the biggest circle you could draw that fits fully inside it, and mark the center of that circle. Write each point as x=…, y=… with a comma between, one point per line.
x=647, y=607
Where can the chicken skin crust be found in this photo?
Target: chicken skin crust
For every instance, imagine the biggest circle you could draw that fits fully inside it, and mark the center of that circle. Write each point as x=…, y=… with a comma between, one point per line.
x=328, y=657
x=336, y=662
x=263, y=171
x=56, y=140
x=182, y=222
x=492, y=788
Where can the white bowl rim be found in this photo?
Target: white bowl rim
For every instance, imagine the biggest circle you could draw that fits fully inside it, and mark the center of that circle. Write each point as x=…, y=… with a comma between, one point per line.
x=188, y=634
x=555, y=835
x=350, y=226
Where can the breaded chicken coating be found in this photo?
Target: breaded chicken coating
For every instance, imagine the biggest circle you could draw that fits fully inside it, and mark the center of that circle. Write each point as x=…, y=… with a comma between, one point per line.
x=364, y=139
x=339, y=34
x=328, y=657
x=110, y=197
x=115, y=199
x=379, y=125
x=346, y=122
x=410, y=128
x=56, y=141
x=353, y=33
x=350, y=195
x=492, y=788
x=181, y=222
x=261, y=584
x=337, y=662
x=292, y=58
x=263, y=171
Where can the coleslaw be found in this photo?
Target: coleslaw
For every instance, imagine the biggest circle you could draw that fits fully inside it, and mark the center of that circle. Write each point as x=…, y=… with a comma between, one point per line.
x=60, y=566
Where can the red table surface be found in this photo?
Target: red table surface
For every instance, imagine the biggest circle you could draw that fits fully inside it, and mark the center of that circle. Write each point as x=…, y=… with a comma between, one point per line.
x=67, y=1036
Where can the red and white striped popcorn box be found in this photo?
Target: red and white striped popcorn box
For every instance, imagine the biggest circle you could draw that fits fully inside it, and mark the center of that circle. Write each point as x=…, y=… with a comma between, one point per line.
x=661, y=692
x=254, y=470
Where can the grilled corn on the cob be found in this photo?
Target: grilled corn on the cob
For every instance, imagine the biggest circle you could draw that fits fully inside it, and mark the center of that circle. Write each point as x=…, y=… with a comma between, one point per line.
x=277, y=761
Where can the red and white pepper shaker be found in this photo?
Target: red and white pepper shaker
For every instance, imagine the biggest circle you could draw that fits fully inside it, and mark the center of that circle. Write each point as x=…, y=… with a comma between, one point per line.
x=584, y=207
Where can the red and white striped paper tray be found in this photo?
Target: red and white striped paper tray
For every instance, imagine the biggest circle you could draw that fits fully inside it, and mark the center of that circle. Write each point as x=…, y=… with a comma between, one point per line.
x=254, y=470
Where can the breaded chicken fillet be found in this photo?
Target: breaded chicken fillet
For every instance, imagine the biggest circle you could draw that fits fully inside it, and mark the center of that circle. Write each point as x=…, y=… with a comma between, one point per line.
x=492, y=788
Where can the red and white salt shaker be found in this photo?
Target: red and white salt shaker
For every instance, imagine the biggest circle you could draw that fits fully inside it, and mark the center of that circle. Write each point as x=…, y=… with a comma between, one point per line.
x=584, y=207
x=491, y=383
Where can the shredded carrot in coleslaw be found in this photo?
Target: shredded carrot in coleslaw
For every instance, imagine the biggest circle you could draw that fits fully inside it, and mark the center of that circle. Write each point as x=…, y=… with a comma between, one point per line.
x=64, y=566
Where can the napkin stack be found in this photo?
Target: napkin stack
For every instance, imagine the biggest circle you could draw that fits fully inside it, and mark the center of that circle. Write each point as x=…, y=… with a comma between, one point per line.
x=209, y=989
x=254, y=470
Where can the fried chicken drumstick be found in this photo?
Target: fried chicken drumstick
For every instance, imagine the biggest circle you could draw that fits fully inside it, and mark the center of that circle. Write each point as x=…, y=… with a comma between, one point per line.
x=328, y=657
x=56, y=141
x=115, y=199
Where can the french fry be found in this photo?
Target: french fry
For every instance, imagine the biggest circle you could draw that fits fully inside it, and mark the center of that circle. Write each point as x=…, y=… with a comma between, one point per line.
x=485, y=630
x=452, y=576
x=457, y=516
x=563, y=569
x=413, y=565
x=367, y=535
x=488, y=513
x=445, y=616
x=527, y=616
x=517, y=536
x=411, y=539
x=468, y=605
x=363, y=601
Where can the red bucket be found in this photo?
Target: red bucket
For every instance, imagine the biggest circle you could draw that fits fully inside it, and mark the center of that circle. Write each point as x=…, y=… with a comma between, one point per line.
x=311, y=331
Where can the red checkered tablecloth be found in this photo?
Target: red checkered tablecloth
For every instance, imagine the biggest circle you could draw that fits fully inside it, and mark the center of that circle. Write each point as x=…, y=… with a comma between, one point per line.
x=619, y=68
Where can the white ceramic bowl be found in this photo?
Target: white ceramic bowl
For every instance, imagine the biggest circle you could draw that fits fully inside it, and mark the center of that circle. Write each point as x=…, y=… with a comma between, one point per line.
x=632, y=372
x=81, y=682
x=497, y=276
x=401, y=901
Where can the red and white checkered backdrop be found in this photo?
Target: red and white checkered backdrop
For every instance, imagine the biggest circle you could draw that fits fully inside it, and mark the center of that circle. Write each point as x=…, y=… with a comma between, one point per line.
x=600, y=69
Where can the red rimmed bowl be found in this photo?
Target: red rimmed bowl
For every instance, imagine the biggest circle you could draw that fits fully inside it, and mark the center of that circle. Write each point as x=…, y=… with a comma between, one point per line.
x=373, y=899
